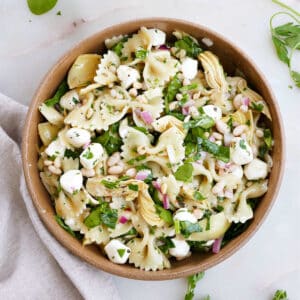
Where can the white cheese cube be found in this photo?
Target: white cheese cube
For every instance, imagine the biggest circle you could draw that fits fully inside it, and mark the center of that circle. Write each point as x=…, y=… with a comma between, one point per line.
x=71, y=181
x=157, y=37
x=213, y=111
x=78, y=137
x=257, y=169
x=69, y=100
x=241, y=153
x=117, y=252
x=236, y=170
x=189, y=68
x=91, y=155
x=55, y=148
x=183, y=214
x=181, y=249
x=127, y=75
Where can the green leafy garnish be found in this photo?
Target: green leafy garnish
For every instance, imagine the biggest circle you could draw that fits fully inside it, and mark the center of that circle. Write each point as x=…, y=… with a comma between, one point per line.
x=88, y=154
x=72, y=154
x=187, y=228
x=62, y=224
x=268, y=138
x=257, y=106
x=141, y=129
x=133, y=187
x=203, y=121
x=192, y=281
x=198, y=196
x=188, y=87
x=136, y=159
x=102, y=214
x=171, y=90
x=164, y=214
x=242, y=144
x=280, y=295
x=177, y=115
x=39, y=7
x=141, y=53
x=62, y=89
x=110, y=139
x=165, y=243
x=110, y=184
x=117, y=48
x=220, y=152
x=190, y=46
x=121, y=252
x=184, y=172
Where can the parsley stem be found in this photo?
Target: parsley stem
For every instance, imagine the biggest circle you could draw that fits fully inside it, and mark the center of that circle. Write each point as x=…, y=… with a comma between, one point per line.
x=287, y=7
x=282, y=13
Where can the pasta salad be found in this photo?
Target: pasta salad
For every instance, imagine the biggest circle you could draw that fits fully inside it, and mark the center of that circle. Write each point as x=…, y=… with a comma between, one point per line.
x=152, y=152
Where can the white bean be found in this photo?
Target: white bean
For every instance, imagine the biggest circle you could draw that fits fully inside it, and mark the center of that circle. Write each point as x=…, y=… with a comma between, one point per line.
x=88, y=172
x=131, y=172
x=244, y=108
x=114, y=159
x=217, y=136
x=115, y=170
x=89, y=113
x=239, y=130
x=57, y=162
x=238, y=101
x=222, y=127
x=196, y=95
x=179, y=97
x=141, y=150
x=137, y=85
x=259, y=133
x=141, y=99
x=113, y=93
x=54, y=170
x=133, y=92
x=194, y=111
x=186, y=81
x=48, y=162
x=173, y=105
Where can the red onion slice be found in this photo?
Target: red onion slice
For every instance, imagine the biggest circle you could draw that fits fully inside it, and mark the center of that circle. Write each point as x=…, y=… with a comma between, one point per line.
x=123, y=219
x=142, y=175
x=166, y=203
x=146, y=116
x=217, y=245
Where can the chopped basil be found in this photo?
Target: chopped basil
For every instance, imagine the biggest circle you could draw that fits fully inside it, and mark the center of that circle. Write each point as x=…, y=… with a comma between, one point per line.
x=110, y=139
x=171, y=90
x=110, y=184
x=257, y=106
x=165, y=243
x=280, y=295
x=136, y=159
x=177, y=226
x=102, y=214
x=220, y=152
x=187, y=228
x=39, y=7
x=121, y=252
x=72, y=154
x=133, y=187
x=192, y=281
x=203, y=121
x=230, y=122
x=198, y=196
x=190, y=46
x=62, y=89
x=164, y=214
x=242, y=144
x=141, y=129
x=88, y=154
x=268, y=138
x=188, y=87
x=184, y=172
x=75, y=100
x=177, y=115
x=62, y=224
x=141, y=53
x=117, y=48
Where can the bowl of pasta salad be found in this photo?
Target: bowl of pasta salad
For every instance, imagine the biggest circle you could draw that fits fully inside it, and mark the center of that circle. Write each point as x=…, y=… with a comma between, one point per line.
x=154, y=149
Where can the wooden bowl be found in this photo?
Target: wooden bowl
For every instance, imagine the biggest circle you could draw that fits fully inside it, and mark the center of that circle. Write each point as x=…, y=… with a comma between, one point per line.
x=232, y=58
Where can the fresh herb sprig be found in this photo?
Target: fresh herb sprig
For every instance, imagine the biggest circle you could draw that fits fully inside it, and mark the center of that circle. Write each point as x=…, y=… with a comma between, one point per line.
x=286, y=39
x=192, y=282
x=39, y=7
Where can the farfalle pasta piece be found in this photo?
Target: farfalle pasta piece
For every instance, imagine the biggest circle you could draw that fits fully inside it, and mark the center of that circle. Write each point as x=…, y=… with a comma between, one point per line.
x=106, y=72
x=120, y=229
x=172, y=188
x=167, y=122
x=70, y=164
x=159, y=68
x=244, y=211
x=51, y=115
x=99, y=235
x=146, y=255
x=50, y=181
x=199, y=169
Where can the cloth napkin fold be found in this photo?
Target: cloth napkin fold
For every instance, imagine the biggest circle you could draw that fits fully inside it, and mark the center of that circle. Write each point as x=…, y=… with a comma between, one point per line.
x=33, y=265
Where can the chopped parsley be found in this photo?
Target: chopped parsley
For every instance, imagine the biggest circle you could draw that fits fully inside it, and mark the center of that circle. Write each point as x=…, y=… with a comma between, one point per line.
x=165, y=243
x=133, y=187
x=184, y=172
x=121, y=252
x=118, y=47
x=198, y=196
x=220, y=152
x=62, y=89
x=110, y=184
x=190, y=46
x=141, y=54
x=187, y=228
x=171, y=90
x=88, y=154
x=242, y=144
x=72, y=154
x=280, y=295
x=192, y=282
x=257, y=106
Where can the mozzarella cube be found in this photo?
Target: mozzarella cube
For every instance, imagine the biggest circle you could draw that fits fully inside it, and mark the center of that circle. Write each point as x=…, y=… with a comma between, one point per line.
x=127, y=76
x=257, y=169
x=241, y=153
x=69, y=100
x=181, y=249
x=117, y=252
x=55, y=148
x=183, y=214
x=213, y=111
x=236, y=170
x=91, y=155
x=78, y=137
x=157, y=37
x=189, y=68
x=71, y=181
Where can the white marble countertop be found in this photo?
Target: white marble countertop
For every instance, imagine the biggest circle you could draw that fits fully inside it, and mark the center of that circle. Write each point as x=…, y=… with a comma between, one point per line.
x=29, y=45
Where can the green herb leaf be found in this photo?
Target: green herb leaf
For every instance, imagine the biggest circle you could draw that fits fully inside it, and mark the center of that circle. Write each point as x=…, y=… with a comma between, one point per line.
x=141, y=54
x=72, y=154
x=187, y=228
x=133, y=187
x=198, y=196
x=39, y=7
x=136, y=159
x=268, y=138
x=88, y=154
x=62, y=89
x=164, y=214
x=242, y=144
x=184, y=172
x=203, y=121
x=117, y=48
x=281, y=50
x=220, y=152
x=109, y=217
x=171, y=91
x=280, y=295
x=288, y=29
x=177, y=115
x=110, y=184
x=121, y=252
x=192, y=281
x=188, y=87
x=296, y=77
x=190, y=46
x=62, y=224
x=257, y=106
x=165, y=243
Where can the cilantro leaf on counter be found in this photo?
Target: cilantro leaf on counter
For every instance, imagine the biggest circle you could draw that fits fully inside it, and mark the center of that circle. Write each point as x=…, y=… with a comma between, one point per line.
x=280, y=295
x=39, y=7
x=192, y=282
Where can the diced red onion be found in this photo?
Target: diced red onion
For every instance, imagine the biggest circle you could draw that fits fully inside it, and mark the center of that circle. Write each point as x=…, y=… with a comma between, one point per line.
x=217, y=245
x=146, y=116
x=246, y=101
x=163, y=47
x=142, y=175
x=166, y=203
x=228, y=194
x=157, y=185
x=185, y=111
x=123, y=219
x=212, y=139
x=189, y=103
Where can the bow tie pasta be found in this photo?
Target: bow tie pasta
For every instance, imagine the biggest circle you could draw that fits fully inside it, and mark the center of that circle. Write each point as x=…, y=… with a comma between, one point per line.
x=150, y=152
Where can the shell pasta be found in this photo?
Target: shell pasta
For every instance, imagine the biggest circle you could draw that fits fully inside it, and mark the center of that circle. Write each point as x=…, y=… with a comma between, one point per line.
x=152, y=152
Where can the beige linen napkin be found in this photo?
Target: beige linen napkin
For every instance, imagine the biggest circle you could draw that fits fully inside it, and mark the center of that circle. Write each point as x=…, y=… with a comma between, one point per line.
x=33, y=265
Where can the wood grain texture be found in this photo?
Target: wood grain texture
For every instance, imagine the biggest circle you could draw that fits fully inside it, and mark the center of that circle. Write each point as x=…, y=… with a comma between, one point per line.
x=232, y=58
